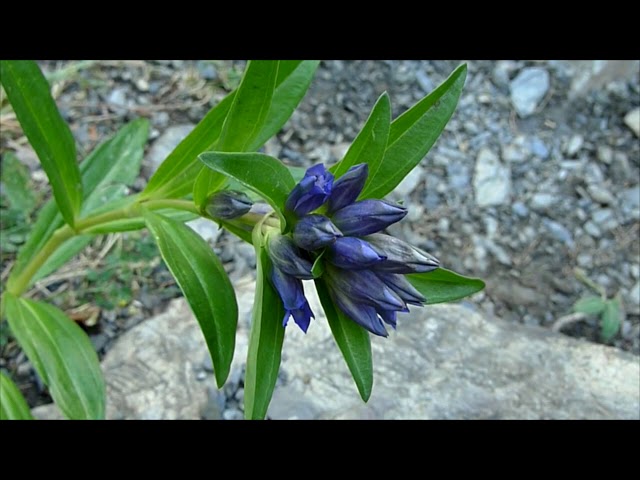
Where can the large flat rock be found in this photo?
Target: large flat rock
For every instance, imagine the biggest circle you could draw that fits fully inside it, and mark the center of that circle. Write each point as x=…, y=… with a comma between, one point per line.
x=444, y=362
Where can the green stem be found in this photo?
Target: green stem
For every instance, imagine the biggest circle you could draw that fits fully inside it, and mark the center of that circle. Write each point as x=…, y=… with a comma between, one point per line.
x=21, y=282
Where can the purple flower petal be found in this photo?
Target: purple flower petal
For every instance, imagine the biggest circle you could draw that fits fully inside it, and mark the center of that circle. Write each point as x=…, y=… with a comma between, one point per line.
x=352, y=253
x=315, y=231
x=367, y=216
x=347, y=188
x=311, y=192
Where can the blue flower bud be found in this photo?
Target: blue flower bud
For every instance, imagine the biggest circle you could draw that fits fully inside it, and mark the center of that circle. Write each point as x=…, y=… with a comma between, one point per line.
x=402, y=287
x=347, y=188
x=389, y=317
x=228, y=204
x=361, y=313
x=364, y=286
x=311, y=192
x=352, y=253
x=401, y=256
x=292, y=294
x=367, y=216
x=315, y=231
x=286, y=256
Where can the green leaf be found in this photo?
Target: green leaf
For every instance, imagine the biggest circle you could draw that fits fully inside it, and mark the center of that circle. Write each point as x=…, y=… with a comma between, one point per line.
x=414, y=132
x=353, y=340
x=239, y=231
x=611, y=320
x=317, y=269
x=106, y=173
x=207, y=182
x=250, y=107
x=205, y=285
x=12, y=404
x=174, y=178
x=49, y=135
x=263, y=174
x=590, y=305
x=265, y=340
x=47, y=222
x=17, y=184
x=62, y=355
x=114, y=165
x=137, y=223
x=442, y=285
x=370, y=144
x=244, y=121
x=294, y=79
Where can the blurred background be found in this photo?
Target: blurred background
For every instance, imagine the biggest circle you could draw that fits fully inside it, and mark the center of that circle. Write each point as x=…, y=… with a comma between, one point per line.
x=534, y=185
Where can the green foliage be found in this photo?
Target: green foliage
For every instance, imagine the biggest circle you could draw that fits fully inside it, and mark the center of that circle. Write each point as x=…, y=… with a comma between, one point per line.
x=220, y=152
x=12, y=403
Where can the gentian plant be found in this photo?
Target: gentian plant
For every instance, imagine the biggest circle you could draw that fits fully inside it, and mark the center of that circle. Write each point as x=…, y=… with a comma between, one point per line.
x=322, y=225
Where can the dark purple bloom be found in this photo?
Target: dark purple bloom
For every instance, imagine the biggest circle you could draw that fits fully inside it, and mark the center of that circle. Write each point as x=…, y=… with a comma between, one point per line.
x=361, y=313
x=286, y=256
x=292, y=294
x=352, y=253
x=401, y=256
x=228, y=204
x=367, y=216
x=311, y=192
x=402, y=287
x=389, y=317
x=347, y=188
x=315, y=231
x=363, y=286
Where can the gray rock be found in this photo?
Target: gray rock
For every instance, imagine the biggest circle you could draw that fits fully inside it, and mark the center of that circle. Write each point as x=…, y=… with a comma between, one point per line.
x=604, y=154
x=458, y=174
x=630, y=203
x=601, y=194
x=430, y=370
x=520, y=209
x=409, y=183
x=163, y=146
x=632, y=120
x=604, y=218
x=426, y=84
x=542, y=201
x=491, y=180
x=592, y=229
x=118, y=100
x=528, y=89
x=573, y=146
x=594, y=74
x=559, y=231
x=538, y=148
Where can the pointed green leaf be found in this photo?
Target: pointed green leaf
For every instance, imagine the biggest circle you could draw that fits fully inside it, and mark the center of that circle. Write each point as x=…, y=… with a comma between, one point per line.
x=353, y=341
x=205, y=285
x=294, y=79
x=62, y=355
x=49, y=135
x=265, y=340
x=442, y=285
x=414, y=132
x=370, y=144
x=590, y=305
x=250, y=106
x=12, y=404
x=611, y=320
x=265, y=175
x=244, y=121
x=106, y=173
x=17, y=184
x=174, y=177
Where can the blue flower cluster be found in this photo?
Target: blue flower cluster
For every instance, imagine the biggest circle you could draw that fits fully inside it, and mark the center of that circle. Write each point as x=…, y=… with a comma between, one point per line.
x=363, y=269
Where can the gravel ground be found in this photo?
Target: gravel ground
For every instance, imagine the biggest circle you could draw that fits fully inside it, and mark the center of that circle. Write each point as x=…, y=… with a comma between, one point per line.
x=534, y=177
